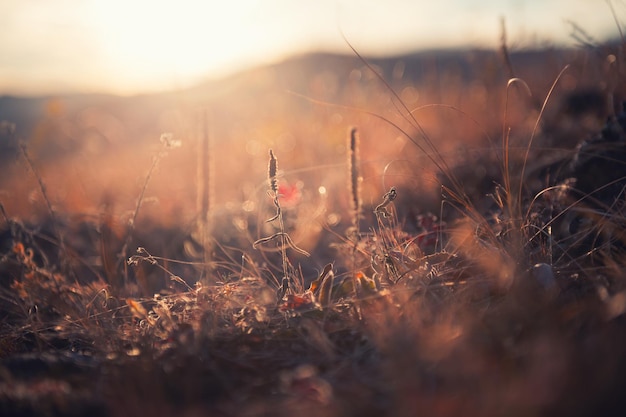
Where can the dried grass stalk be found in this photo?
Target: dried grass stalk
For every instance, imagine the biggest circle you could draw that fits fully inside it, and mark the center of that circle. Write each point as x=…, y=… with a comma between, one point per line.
x=204, y=193
x=354, y=186
x=272, y=169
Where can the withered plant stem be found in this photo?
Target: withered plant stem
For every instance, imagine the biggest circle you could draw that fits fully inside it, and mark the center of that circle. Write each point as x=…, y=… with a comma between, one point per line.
x=273, y=165
x=44, y=193
x=282, y=236
x=4, y=214
x=354, y=185
x=132, y=222
x=42, y=187
x=205, y=192
x=504, y=49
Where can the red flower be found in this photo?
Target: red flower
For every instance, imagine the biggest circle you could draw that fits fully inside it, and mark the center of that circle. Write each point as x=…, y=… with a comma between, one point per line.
x=290, y=194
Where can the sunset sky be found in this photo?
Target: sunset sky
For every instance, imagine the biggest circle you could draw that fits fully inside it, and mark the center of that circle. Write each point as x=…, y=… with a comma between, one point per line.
x=133, y=46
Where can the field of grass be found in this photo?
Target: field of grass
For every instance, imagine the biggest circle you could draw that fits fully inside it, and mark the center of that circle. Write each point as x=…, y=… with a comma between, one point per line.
x=439, y=234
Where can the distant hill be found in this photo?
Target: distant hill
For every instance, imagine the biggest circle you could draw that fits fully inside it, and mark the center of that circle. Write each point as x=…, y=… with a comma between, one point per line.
x=68, y=119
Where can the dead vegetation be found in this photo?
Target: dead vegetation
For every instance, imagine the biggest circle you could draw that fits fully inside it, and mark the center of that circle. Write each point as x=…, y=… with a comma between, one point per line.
x=509, y=300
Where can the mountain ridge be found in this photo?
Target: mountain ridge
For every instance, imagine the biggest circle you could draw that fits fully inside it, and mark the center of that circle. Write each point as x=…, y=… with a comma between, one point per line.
x=312, y=74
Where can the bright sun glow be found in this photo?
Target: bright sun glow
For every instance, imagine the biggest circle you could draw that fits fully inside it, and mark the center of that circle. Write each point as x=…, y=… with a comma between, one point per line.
x=123, y=46
x=174, y=41
x=133, y=46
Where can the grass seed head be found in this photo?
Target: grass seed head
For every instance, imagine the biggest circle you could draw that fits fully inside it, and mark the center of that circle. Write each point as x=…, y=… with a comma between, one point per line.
x=273, y=167
x=353, y=167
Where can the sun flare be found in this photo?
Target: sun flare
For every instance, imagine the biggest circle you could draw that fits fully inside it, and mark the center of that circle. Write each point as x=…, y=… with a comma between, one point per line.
x=176, y=41
x=141, y=46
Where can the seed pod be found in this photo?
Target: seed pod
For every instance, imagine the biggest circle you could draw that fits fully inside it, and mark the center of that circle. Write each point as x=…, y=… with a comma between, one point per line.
x=355, y=179
x=273, y=167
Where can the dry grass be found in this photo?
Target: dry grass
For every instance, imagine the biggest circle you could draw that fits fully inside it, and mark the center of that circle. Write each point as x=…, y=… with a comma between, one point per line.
x=509, y=301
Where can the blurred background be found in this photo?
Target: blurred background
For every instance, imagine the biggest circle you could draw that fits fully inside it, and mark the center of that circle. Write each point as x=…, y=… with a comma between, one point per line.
x=88, y=87
x=140, y=46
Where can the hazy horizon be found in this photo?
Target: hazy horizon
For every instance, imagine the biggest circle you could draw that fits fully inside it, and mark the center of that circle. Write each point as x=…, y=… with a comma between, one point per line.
x=135, y=47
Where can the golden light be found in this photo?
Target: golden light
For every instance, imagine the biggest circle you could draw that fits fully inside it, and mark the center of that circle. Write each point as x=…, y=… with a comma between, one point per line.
x=147, y=42
x=129, y=47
